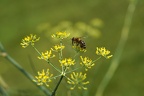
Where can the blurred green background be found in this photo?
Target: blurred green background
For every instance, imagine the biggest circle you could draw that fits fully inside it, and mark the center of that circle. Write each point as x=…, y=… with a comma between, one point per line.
x=19, y=18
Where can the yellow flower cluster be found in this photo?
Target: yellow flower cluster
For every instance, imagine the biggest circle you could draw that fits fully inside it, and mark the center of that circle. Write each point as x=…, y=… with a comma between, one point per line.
x=43, y=78
x=57, y=48
x=60, y=35
x=46, y=55
x=77, y=80
x=88, y=63
x=29, y=40
x=103, y=52
x=78, y=48
x=67, y=62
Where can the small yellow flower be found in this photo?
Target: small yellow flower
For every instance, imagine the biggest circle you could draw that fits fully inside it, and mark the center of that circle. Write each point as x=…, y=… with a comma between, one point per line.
x=88, y=63
x=67, y=62
x=47, y=55
x=60, y=35
x=43, y=78
x=103, y=52
x=57, y=48
x=78, y=48
x=29, y=40
x=77, y=80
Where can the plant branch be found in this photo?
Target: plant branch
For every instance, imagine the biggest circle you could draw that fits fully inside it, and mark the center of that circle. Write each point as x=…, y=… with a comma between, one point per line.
x=17, y=65
x=116, y=59
x=53, y=93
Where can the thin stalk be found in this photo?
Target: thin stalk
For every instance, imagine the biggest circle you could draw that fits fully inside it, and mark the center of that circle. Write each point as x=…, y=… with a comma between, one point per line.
x=53, y=93
x=17, y=65
x=96, y=59
x=55, y=77
x=76, y=54
x=116, y=59
x=36, y=50
x=53, y=66
x=74, y=69
x=47, y=60
x=61, y=55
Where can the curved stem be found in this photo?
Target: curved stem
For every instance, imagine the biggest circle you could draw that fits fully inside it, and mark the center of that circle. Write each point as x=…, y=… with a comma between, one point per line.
x=20, y=68
x=115, y=62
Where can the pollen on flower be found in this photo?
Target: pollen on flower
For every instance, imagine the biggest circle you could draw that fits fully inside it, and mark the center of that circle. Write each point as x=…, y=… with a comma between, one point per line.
x=86, y=62
x=78, y=48
x=29, y=40
x=60, y=35
x=43, y=78
x=77, y=80
x=103, y=52
x=47, y=55
x=67, y=62
x=57, y=48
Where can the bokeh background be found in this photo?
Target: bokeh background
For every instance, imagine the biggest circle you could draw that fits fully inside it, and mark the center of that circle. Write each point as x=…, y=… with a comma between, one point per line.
x=99, y=21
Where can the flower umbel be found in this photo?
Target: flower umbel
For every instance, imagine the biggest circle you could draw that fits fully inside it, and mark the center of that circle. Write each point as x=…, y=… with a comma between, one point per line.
x=47, y=55
x=77, y=79
x=43, y=78
x=60, y=35
x=103, y=52
x=57, y=48
x=29, y=40
x=67, y=62
x=88, y=63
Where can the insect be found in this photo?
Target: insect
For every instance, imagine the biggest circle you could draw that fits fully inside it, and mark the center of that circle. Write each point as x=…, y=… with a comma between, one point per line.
x=76, y=41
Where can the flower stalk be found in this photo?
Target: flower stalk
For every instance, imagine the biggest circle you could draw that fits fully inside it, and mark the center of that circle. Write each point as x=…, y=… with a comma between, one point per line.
x=22, y=70
x=54, y=92
x=115, y=62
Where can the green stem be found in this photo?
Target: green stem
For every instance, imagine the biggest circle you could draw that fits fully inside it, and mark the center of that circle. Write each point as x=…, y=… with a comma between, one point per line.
x=47, y=60
x=96, y=59
x=76, y=54
x=61, y=55
x=55, y=77
x=53, y=66
x=17, y=65
x=74, y=69
x=115, y=62
x=36, y=50
x=3, y=92
x=53, y=93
